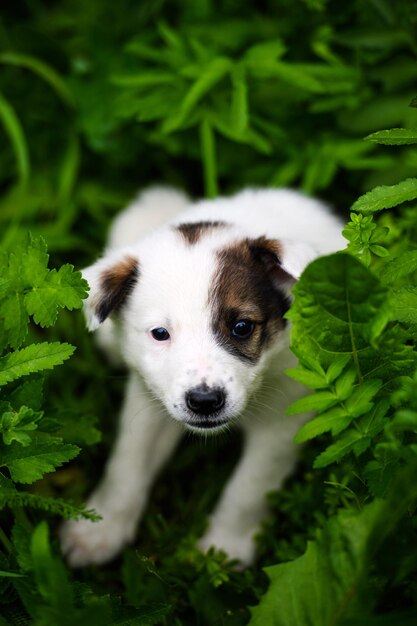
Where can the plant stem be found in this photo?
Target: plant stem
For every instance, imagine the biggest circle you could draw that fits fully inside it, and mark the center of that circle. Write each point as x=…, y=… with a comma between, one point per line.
x=5, y=540
x=208, y=151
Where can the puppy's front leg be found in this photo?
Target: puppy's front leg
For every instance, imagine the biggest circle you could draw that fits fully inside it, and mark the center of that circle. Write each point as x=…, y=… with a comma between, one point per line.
x=146, y=438
x=269, y=456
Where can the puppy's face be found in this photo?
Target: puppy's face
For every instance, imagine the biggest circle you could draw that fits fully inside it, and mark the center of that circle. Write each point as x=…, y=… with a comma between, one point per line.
x=200, y=310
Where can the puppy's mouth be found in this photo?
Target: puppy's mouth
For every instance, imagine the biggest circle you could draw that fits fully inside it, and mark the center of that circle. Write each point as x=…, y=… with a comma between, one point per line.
x=207, y=424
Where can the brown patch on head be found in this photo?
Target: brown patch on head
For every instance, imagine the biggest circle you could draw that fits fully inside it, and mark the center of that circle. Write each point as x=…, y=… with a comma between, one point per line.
x=117, y=283
x=193, y=231
x=249, y=286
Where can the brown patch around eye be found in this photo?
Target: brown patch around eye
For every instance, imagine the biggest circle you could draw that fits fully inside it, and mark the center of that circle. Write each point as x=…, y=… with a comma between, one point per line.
x=193, y=231
x=245, y=287
x=117, y=283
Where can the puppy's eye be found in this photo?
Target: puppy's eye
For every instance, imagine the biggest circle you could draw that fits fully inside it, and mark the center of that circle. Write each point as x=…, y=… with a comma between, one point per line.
x=242, y=329
x=160, y=333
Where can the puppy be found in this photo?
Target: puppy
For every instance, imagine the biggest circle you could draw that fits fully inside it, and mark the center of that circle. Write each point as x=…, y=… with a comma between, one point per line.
x=192, y=299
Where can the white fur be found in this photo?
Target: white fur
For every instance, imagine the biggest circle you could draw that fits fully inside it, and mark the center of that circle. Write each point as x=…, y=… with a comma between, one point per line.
x=172, y=291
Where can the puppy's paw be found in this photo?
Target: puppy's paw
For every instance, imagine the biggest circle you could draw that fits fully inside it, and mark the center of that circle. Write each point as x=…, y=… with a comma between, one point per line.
x=86, y=543
x=238, y=547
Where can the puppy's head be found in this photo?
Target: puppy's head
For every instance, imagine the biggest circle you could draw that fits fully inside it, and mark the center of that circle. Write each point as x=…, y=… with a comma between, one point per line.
x=198, y=317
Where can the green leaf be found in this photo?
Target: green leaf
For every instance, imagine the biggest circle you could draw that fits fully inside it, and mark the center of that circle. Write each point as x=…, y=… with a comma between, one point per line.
x=339, y=449
x=14, y=129
x=360, y=400
x=239, y=108
x=401, y=266
x=319, y=401
x=42, y=455
x=28, y=393
x=329, y=584
x=404, y=305
x=215, y=71
x=34, y=358
x=306, y=377
x=335, y=420
x=13, y=498
x=15, y=318
x=46, y=72
x=16, y=426
x=64, y=288
x=394, y=136
x=386, y=196
x=337, y=366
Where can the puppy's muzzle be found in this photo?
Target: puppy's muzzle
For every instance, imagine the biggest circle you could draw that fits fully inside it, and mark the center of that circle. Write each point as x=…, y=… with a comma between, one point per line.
x=205, y=401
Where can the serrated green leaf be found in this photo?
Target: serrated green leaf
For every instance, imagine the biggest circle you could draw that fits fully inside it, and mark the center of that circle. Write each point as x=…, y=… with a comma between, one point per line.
x=394, y=136
x=12, y=497
x=16, y=425
x=28, y=393
x=34, y=263
x=386, y=196
x=314, y=380
x=337, y=366
x=64, y=288
x=42, y=455
x=15, y=318
x=34, y=358
x=404, y=305
x=319, y=401
x=403, y=265
x=360, y=400
x=344, y=384
x=335, y=420
x=336, y=451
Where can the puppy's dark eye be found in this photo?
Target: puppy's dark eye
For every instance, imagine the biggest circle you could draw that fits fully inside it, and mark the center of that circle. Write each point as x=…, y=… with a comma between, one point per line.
x=242, y=329
x=160, y=333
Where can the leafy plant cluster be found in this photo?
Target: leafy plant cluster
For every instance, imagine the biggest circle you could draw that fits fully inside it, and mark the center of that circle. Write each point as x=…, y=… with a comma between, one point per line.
x=354, y=319
x=100, y=99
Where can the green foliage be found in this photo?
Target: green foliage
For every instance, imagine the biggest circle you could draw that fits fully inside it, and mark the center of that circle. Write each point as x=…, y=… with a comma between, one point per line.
x=100, y=99
x=329, y=584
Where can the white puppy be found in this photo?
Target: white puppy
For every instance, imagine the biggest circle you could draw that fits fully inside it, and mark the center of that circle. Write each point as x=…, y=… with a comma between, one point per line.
x=192, y=299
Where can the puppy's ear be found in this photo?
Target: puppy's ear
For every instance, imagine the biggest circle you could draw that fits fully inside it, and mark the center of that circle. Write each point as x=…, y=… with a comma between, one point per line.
x=285, y=259
x=111, y=281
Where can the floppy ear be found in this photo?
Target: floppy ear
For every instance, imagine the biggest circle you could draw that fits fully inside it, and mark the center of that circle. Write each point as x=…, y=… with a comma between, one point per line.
x=285, y=259
x=111, y=281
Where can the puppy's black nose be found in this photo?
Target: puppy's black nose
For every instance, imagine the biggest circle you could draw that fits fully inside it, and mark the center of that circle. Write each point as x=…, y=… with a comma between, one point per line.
x=204, y=401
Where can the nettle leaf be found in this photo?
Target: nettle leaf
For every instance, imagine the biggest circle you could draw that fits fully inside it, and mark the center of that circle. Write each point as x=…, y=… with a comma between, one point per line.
x=394, y=136
x=34, y=358
x=43, y=454
x=386, y=196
